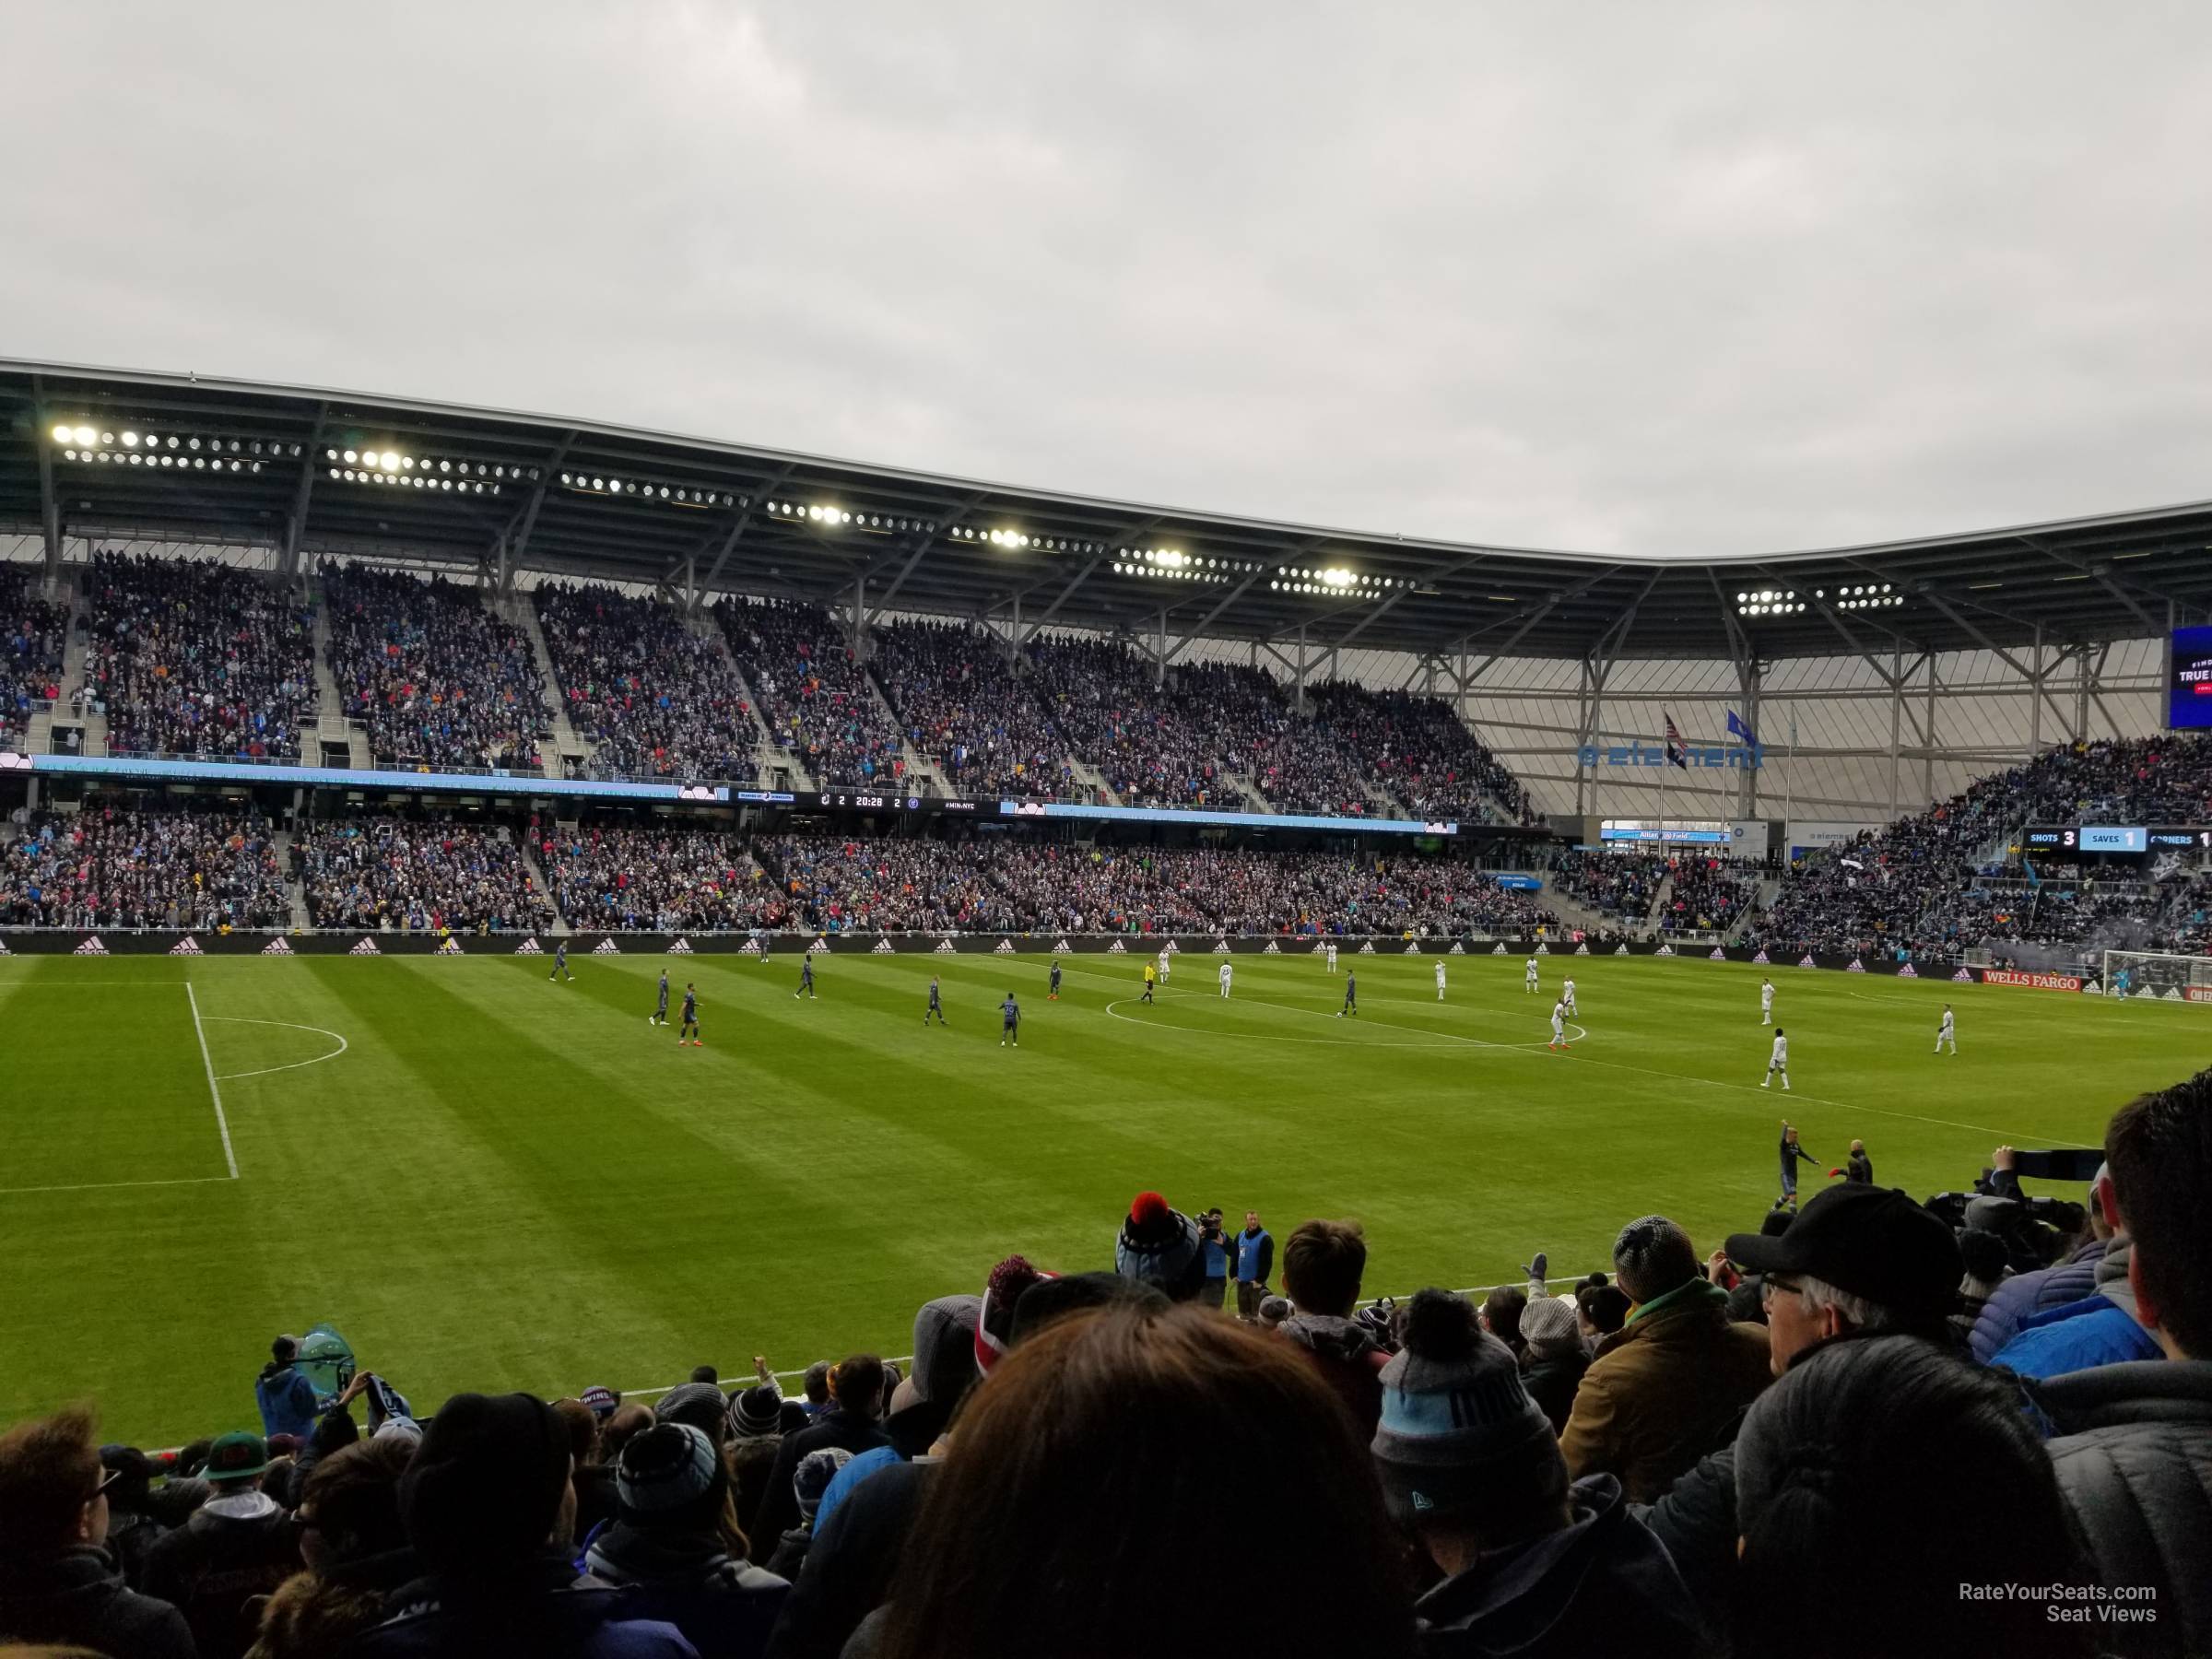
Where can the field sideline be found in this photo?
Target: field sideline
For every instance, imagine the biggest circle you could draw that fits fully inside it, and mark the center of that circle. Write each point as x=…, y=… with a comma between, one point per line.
x=487, y=1181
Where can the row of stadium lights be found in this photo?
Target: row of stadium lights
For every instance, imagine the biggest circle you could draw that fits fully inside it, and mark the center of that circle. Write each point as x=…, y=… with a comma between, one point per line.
x=1336, y=579
x=837, y=518
x=1773, y=602
x=183, y=450
x=1172, y=564
x=680, y=495
x=406, y=472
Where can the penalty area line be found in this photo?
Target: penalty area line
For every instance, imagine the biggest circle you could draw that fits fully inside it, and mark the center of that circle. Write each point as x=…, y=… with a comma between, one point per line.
x=214, y=1089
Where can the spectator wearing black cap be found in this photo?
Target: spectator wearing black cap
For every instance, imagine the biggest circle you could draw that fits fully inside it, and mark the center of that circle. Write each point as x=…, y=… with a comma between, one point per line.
x=1533, y=1565
x=238, y=1546
x=677, y=1541
x=853, y=1422
x=57, y=1583
x=2135, y=1457
x=1664, y=1385
x=133, y=1528
x=1857, y=1260
x=488, y=1506
x=1850, y=1474
x=356, y=1550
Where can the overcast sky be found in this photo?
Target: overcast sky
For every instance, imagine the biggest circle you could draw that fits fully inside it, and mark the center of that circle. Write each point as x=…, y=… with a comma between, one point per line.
x=1680, y=278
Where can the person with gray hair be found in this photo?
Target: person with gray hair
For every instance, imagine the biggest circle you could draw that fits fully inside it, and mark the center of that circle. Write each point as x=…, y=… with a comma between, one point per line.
x=1859, y=1260
x=1850, y=1472
x=1662, y=1388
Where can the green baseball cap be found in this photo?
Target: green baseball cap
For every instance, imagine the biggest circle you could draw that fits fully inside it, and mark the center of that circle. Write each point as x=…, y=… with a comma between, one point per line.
x=236, y=1456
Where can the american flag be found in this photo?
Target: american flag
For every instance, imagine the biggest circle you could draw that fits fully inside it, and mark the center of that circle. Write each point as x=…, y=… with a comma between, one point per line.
x=1674, y=746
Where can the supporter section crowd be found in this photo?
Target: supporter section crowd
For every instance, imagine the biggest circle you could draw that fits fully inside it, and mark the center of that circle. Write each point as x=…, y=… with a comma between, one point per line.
x=389, y=873
x=437, y=678
x=33, y=639
x=1917, y=885
x=195, y=658
x=1423, y=754
x=1867, y=1426
x=815, y=699
x=654, y=696
x=963, y=706
x=108, y=868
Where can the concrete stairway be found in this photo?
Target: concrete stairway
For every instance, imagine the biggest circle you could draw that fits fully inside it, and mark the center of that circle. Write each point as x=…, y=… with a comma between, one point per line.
x=1573, y=912
x=519, y=610
x=1254, y=801
x=330, y=724
x=561, y=929
x=295, y=889
x=1093, y=779
x=1659, y=900
x=769, y=756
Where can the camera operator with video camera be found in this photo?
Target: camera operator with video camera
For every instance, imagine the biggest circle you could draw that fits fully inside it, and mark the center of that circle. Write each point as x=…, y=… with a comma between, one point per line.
x=1214, y=1246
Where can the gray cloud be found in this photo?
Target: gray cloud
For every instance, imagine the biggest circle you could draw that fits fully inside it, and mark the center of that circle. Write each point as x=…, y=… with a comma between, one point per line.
x=1675, y=280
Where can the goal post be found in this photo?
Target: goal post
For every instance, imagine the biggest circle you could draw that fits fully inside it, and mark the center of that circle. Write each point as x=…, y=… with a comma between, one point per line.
x=2151, y=973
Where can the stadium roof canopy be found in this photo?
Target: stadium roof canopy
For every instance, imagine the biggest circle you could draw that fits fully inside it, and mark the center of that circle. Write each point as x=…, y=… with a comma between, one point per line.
x=108, y=454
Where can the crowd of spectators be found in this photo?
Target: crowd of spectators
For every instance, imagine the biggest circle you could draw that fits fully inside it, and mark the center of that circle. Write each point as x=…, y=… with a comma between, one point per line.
x=1418, y=749
x=192, y=657
x=836, y=883
x=1708, y=895
x=111, y=867
x=1170, y=745
x=654, y=698
x=663, y=880
x=438, y=679
x=1622, y=884
x=396, y=874
x=1974, y=1420
x=815, y=699
x=963, y=707
x=34, y=635
x=1911, y=887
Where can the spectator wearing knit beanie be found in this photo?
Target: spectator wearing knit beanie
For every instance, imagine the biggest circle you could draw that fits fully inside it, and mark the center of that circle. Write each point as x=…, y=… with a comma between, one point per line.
x=1668, y=1382
x=1552, y=1368
x=676, y=1544
x=1534, y=1565
x=485, y=1499
x=1158, y=1246
x=852, y=1423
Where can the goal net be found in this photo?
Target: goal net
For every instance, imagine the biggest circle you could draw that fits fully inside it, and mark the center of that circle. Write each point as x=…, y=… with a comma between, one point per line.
x=2168, y=978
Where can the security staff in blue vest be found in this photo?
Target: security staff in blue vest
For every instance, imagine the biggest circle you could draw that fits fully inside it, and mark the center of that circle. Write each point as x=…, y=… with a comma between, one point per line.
x=1255, y=1251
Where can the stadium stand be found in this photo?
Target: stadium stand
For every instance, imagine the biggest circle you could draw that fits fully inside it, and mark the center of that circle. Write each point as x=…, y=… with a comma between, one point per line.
x=1708, y=894
x=33, y=641
x=1420, y=752
x=1619, y=884
x=437, y=678
x=815, y=698
x=394, y=873
x=111, y=867
x=966, y=709
x=655, y=699
x=192, y=657
x=1661, y=1501
x=1916, y=885
x=1156, y=746
x=664, y=880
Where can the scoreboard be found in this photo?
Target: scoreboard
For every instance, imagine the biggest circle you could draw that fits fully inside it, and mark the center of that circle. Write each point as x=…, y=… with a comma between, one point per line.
x=2188, y=687
x=2071, y=839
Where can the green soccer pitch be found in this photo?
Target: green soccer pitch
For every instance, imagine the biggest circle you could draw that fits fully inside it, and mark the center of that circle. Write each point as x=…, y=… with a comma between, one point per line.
x=489, y=1181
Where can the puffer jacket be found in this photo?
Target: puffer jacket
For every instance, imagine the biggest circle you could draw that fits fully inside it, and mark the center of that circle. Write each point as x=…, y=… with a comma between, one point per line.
x=1663, y=1390
x=2134, y=1460
x=2098, y=1330
x=2026, y=1294
x=1346, y=1358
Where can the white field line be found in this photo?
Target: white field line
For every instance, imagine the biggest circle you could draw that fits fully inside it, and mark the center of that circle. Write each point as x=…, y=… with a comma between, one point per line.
x=213, y=1089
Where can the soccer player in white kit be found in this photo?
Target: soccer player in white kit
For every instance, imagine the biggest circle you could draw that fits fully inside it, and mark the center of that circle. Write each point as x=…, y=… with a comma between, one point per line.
x=1163, y=964
x=1530, y=980
x=1566, y=998
x=1779, y=1061
x=1944, y=1033
x=1766, y=1002
x=1440, y=982
x=1558, y=1026
x=1332, y=959
x=1225, y=982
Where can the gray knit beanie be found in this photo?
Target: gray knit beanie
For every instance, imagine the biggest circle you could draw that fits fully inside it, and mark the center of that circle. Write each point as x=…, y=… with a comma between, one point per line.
x=1455, y=1417
x=1548, y=1325
x=1651, y=1256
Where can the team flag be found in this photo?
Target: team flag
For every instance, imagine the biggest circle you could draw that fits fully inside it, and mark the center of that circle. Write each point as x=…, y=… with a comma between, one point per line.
x=1736, y=728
